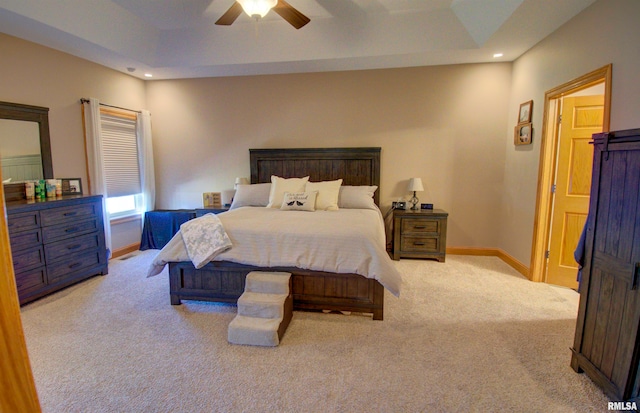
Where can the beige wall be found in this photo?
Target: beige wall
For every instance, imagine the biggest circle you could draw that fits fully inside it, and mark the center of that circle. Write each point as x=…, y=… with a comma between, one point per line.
x=450, y=125
x=444, y=124
x=606, y=32
x=36, y=75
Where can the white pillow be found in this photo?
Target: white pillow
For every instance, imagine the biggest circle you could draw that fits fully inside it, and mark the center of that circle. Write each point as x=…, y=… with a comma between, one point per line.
x=299, y=201
x=328, y=192
x=251, y=195
x=281, y=185
x=357, y=197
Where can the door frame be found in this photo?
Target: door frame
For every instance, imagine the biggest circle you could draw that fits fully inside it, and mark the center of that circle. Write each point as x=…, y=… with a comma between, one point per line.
x=548, y=155
x=17, y=388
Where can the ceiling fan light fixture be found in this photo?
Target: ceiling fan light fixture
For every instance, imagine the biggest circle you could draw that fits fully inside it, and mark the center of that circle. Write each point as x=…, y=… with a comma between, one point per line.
x=257, y=8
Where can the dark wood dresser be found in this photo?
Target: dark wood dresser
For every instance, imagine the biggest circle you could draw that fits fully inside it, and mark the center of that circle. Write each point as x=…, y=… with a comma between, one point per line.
x=607, y=338
x=420, y=234
x=55, y=243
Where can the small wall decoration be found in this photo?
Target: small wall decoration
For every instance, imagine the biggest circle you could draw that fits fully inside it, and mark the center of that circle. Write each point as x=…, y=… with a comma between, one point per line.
x=522, y=134
x=524, y=130
x=212, y=200
x=71, y=186
x=524, y=114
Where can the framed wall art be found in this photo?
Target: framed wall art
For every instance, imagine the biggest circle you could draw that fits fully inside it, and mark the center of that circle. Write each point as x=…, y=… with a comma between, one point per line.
x=524, y=114
x=522, y=134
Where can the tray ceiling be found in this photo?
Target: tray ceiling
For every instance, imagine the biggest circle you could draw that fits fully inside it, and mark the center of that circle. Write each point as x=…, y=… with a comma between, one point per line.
x=178, y=38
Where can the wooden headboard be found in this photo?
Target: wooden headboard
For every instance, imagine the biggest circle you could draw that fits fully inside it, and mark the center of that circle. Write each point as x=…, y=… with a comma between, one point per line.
x=356, y=166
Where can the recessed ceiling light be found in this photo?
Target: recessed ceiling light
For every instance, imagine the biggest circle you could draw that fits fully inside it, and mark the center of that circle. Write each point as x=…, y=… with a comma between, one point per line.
x=148, y=75
x=496, y=55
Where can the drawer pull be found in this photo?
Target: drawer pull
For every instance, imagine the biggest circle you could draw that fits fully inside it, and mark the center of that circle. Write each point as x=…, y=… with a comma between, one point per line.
x=419, y=243
x=74, y=247
x=72, y=229
x=75, y=265
x=420, y=227
x=70, y=214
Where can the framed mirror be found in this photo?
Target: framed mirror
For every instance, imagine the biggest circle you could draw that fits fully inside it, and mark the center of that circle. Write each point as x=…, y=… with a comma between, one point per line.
x=25, y=146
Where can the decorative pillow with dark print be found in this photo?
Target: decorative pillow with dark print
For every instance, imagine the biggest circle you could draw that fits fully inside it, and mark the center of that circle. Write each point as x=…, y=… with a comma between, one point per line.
x=299, y=201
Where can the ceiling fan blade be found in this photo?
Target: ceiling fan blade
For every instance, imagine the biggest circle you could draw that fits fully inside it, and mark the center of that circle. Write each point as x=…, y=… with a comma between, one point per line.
x=230, y=15
x=290, y=14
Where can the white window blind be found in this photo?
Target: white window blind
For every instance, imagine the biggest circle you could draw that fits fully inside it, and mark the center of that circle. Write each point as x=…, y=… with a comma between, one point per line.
x=120, y=154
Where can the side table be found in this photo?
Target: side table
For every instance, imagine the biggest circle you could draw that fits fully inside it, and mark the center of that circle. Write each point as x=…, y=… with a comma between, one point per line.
x=161, y=225
x=420, y=234
x=203, y=211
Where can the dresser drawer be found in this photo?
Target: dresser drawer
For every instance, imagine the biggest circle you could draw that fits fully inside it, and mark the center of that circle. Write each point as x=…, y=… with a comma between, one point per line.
x=24, y=221
x=69, y=229
x=419, y=244
x=420, y=225
x=73, y=263
x=28, y=259
x=26, y=239
x=68, y=214
x=30, y=281
x=61, y=249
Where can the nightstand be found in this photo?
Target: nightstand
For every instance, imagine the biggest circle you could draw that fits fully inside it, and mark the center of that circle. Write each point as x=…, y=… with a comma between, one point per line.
x=203, y=211
x=420, y=234
x=161, y=225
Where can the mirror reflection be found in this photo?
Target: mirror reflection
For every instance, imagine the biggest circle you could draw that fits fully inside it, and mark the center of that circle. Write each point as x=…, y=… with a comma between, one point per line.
x=20, y=151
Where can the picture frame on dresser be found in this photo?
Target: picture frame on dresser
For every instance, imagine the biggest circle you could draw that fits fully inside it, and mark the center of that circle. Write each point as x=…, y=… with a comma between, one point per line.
x=71, y=186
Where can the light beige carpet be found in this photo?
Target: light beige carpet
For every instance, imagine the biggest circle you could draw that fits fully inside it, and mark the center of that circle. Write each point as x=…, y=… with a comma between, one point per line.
x=467, y=335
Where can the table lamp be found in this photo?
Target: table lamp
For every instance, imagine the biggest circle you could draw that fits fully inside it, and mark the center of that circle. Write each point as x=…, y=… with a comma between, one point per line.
x=415, y=184
x=240, y=181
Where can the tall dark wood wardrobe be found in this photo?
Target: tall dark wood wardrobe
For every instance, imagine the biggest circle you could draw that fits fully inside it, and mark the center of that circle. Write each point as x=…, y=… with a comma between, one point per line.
x=607, y=341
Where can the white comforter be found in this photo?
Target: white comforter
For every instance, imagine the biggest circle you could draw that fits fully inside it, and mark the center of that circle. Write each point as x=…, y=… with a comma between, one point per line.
x=344, y=241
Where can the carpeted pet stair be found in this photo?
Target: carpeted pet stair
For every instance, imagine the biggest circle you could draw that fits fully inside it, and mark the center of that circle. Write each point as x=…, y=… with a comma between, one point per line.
x=264, y=310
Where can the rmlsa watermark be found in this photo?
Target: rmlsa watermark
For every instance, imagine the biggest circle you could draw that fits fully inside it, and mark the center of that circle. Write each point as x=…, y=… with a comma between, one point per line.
x=623, y=406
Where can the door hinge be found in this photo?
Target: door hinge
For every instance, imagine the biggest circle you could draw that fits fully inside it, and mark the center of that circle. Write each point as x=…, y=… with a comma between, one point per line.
x=546, y=254
x=559, y=119
x=553, y=188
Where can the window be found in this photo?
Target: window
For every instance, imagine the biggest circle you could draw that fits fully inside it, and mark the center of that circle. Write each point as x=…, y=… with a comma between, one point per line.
x=120, y=161
x=122, y=206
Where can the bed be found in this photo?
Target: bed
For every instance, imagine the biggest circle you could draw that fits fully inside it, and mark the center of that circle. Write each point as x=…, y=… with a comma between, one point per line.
x=223, y=281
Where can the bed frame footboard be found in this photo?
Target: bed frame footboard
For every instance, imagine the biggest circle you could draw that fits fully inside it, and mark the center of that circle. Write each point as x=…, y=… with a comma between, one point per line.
x=221, y=281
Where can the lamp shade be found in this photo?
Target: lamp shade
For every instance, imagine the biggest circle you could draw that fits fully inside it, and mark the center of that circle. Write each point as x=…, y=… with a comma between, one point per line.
x=415, y=184
x=257, y=8
x=242, y=181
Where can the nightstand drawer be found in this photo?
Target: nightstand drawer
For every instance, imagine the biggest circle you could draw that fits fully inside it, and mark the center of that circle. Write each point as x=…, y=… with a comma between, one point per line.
x=419, y=244
x=420, y=225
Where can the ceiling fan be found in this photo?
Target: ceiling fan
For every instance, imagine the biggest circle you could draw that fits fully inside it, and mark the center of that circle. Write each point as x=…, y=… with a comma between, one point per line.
x=259, y=8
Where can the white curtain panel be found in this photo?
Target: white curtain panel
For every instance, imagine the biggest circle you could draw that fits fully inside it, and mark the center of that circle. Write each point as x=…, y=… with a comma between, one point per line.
x=93, y=142
x=145, y=155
